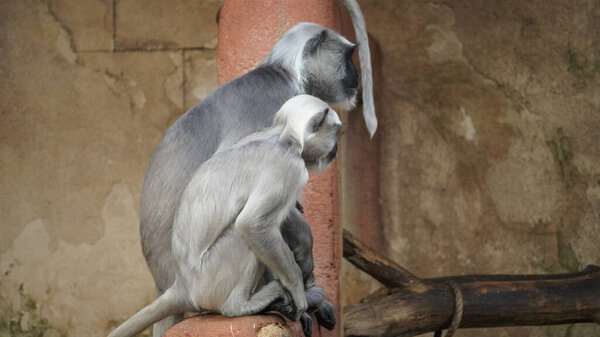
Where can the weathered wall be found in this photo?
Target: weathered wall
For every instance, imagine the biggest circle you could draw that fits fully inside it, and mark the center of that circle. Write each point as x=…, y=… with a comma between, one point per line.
x=489, y=159
x=490, y=139
x=87, y=89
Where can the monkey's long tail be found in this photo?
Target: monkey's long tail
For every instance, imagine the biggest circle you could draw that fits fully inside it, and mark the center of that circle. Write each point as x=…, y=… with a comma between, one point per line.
x=360, y=28
x=167, y=304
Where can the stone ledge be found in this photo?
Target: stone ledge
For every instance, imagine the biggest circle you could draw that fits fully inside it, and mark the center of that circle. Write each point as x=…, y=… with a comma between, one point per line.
x=246, y=326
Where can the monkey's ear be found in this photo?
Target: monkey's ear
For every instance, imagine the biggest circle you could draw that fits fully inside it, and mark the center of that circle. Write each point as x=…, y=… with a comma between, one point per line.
x=289, y=137
x=319, y=119
x=315, y=42
x=279, y=119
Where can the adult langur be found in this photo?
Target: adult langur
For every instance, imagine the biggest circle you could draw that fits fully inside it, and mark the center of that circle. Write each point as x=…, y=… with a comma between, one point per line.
x=308, y=59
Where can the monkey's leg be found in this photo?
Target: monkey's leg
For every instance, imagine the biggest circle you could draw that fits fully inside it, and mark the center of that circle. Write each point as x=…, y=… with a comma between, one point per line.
x=297, y=234
x=240, y=301
x=238, y=304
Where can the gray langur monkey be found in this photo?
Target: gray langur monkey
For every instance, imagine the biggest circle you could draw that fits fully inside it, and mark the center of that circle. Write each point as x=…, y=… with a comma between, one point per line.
x=308, y=59
x=226, y=229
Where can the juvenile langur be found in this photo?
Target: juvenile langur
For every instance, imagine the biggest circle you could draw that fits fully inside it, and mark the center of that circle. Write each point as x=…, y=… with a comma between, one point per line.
x=227, y=227
x=308, y=59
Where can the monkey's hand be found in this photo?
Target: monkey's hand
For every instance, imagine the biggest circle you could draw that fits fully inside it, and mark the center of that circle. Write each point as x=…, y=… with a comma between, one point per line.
x=284, y=305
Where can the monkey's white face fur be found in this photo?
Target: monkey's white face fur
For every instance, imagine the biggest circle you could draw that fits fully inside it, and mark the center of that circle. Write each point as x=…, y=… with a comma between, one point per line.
x=311, y=123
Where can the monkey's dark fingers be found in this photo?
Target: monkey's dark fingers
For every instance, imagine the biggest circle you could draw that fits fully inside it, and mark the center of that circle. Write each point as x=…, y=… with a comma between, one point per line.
x=300, y=207
x=306, y=322
x=326, y=315
x=285, y=306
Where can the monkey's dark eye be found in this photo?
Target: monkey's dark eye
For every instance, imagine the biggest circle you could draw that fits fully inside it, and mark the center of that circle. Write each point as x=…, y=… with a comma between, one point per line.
x=319, y=120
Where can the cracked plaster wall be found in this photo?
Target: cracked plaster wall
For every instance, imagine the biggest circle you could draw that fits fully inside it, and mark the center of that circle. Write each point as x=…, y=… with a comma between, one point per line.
x=87, y=89
x=490, y=141
x=489, y=156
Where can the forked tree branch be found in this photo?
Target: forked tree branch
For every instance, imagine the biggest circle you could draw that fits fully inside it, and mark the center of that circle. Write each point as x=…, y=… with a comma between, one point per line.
x=413, y=306
x=379, y=267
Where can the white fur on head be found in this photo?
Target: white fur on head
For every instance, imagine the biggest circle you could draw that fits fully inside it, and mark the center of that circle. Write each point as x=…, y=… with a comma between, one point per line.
x=288, y=50
x=296, y=114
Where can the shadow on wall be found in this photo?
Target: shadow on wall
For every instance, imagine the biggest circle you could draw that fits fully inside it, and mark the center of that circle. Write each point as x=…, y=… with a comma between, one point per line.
x=489, y=131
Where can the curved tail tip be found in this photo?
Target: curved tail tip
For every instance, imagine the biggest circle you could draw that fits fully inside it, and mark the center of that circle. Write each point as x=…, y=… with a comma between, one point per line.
x=371, y=122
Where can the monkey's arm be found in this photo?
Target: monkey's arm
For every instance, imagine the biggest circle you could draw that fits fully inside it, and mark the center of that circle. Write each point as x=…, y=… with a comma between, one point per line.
x=258, y=222
x=297, y=234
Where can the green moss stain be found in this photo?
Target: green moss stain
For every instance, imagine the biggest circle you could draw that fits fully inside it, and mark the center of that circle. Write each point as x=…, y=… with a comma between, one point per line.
x=584, y=70
x=26, y=322
x=39, y=328
x=29, y=304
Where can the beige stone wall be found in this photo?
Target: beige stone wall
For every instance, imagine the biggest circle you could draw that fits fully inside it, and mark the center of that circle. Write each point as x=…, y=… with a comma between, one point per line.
x=490, y=140
x=87, y=89
x=489, y=158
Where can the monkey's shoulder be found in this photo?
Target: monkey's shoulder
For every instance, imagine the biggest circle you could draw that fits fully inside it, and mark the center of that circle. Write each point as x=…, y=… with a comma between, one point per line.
x=246, y=103
x=261, y=157
x=269, y=153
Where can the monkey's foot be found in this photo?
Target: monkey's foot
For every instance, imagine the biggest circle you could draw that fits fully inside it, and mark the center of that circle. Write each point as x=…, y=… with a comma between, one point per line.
x=306, y=322
x=326, y=315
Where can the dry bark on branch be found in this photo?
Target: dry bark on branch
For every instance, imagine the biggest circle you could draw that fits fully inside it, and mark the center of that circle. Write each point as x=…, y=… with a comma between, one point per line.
x=379, y=267
x=489, y=300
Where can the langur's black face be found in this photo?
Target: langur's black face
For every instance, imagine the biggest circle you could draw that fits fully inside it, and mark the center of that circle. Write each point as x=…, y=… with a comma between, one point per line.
x=328, y=70
x=350, y=81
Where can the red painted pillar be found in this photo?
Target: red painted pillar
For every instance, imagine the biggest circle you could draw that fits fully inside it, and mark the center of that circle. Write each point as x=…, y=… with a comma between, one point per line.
x=247, y=32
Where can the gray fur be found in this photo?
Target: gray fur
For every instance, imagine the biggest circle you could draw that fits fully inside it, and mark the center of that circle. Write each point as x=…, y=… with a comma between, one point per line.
x=226, y=230
x=236, y=109
x=360, y=28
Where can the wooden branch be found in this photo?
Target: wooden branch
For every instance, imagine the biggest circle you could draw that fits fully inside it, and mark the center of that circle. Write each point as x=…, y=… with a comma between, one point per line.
x=379, y=267
x=489, y=301
x=412, y=306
